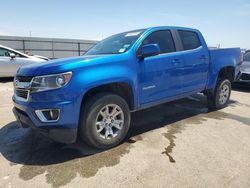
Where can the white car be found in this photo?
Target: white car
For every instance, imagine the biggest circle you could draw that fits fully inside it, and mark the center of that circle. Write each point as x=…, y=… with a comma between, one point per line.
x=11, y=60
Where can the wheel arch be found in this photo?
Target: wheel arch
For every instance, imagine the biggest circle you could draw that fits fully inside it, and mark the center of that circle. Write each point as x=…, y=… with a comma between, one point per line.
x=227, y=72
x=218, y=73
x=123, y=89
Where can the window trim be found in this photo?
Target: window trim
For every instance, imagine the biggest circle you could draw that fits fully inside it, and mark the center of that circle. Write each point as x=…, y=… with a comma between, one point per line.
x=181, y=42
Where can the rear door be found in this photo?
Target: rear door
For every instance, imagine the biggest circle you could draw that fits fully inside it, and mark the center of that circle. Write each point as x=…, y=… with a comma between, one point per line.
x=160, y=75
x=196, y=61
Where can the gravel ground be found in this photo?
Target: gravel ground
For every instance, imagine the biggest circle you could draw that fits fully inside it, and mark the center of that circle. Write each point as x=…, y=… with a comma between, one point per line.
x=177, y=144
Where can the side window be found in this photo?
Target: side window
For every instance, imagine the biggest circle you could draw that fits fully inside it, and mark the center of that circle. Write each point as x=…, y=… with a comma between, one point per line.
x=190, y=40
x=4, y=52
x=163, y=38
x=247, y=56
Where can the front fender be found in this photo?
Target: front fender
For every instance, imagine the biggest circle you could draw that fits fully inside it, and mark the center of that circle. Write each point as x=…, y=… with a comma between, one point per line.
x=93, y=77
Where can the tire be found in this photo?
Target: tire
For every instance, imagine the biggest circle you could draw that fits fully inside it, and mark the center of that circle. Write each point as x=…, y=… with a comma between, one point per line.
x=215, y=99
x=96, y=121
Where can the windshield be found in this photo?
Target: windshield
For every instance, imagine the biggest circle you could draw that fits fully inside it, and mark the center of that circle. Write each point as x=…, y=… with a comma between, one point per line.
x=115, y=44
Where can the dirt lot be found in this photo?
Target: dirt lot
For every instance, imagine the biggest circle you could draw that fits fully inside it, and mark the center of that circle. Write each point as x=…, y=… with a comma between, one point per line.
x=178, y=144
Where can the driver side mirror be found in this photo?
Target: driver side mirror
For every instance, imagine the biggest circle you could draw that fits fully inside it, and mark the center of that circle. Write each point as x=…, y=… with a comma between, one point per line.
x=12, y=55
x=149, y=50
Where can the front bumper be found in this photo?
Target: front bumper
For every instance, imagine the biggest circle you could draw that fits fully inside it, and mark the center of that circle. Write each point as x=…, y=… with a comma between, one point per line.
x=62, y=130
x=66, y=100
x=237, y=77
x=59, y=134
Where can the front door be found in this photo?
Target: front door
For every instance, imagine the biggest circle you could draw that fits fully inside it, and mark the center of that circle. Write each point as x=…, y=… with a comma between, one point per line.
x=5, y=62
x=160, y=75
x=8, y=65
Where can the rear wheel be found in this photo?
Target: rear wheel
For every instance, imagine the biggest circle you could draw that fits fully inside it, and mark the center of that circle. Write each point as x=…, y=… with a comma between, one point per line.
x=221, y=95
x=105, y=120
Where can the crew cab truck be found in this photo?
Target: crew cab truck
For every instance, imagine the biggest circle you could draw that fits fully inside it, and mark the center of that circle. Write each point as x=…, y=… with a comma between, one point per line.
x=92, y=96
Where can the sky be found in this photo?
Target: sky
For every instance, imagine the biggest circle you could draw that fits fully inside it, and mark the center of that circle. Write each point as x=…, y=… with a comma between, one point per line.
x=224, y=22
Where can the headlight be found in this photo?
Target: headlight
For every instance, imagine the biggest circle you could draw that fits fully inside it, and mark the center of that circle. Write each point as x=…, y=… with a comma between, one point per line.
x=49, y=82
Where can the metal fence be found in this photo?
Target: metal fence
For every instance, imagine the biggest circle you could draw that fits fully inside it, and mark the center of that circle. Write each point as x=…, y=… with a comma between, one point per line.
x=48, y=47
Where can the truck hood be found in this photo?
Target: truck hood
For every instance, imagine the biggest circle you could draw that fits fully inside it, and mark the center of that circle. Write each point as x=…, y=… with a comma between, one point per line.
x=63, y=65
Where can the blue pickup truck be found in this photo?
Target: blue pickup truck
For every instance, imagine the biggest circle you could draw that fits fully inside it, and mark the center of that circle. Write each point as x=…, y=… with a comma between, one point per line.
x=92, y=96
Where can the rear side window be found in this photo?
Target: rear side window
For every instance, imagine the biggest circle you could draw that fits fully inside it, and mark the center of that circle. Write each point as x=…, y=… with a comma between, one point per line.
x=190, y=40
x=163, y=38
x=247, y=56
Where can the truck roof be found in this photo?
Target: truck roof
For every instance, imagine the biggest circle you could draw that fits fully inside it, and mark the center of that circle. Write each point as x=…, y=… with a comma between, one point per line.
x=163, y=27
x=172, y=27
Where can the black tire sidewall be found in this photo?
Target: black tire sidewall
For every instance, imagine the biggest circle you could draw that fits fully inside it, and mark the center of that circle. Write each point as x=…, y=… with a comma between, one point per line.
x=88, y=128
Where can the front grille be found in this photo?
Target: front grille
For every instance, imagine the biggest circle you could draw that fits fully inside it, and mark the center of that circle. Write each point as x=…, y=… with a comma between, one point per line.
x=22, y=86
x=245, y=76
x=24, y=78
x=22, y=93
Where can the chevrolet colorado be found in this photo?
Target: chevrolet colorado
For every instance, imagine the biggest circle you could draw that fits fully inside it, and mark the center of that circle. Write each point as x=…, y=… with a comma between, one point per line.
x=92, y=96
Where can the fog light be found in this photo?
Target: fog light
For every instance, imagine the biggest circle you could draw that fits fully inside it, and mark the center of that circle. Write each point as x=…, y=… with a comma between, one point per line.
x=48, y=115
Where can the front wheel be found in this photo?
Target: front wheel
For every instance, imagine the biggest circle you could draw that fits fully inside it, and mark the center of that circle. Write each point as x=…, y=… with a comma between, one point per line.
x=105, y=120
x=221, y=95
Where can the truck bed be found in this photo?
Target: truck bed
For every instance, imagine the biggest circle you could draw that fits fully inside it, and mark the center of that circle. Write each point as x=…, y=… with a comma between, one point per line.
x=225, y=57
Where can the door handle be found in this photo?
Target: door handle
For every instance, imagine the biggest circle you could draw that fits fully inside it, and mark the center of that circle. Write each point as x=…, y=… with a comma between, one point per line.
x=203, y=58
x=176, y=61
